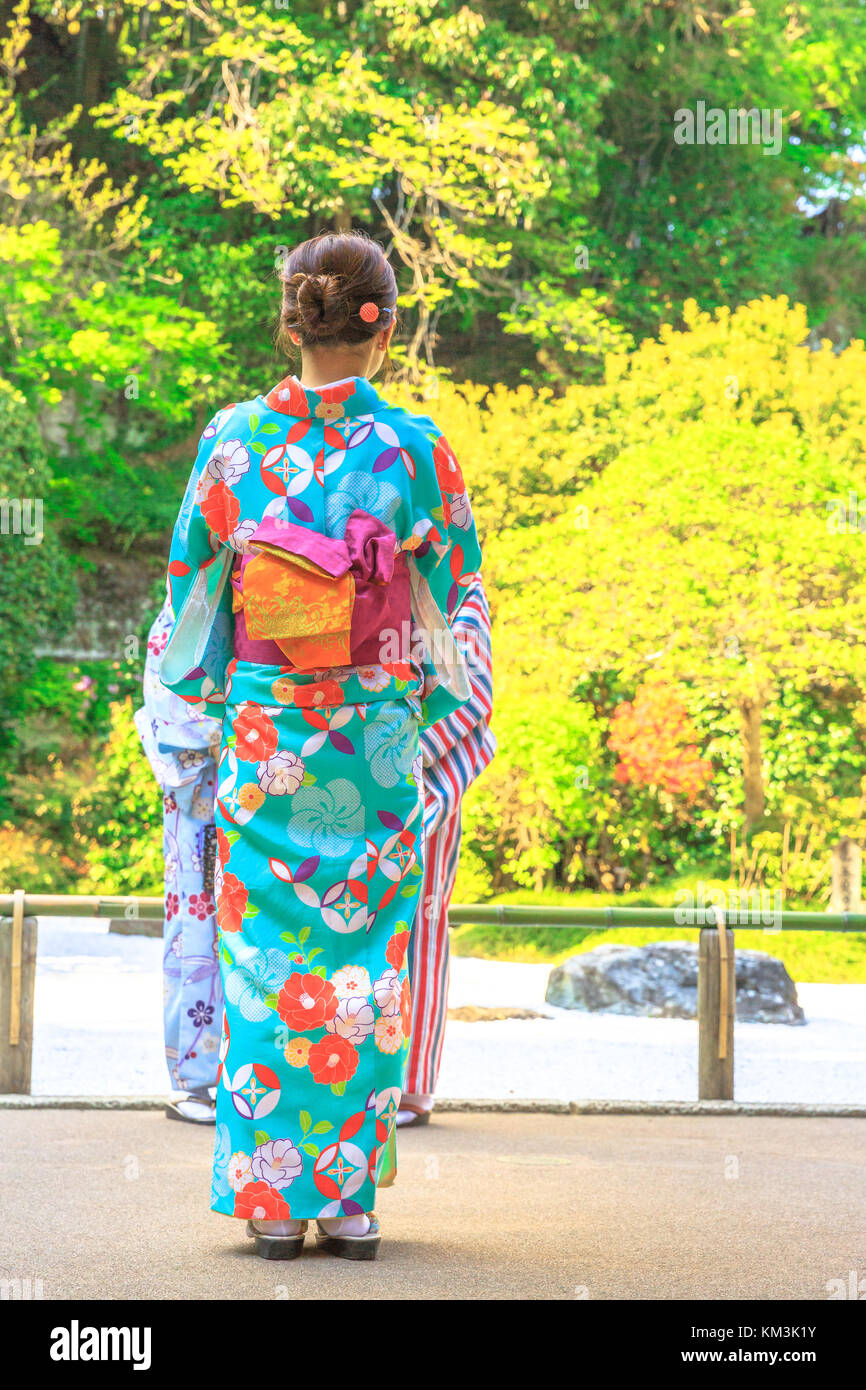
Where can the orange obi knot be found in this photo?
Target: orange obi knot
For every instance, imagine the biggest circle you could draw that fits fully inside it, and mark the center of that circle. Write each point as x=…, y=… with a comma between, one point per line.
x=305, y=610
x=311, y=594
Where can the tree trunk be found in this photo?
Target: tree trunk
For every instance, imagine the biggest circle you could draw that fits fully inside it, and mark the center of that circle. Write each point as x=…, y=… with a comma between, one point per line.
x=751, y=715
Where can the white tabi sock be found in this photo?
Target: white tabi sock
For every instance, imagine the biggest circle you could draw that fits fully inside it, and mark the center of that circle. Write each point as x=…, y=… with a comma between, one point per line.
x=345, y=1225
x=405, y=1117
x=278, y=1228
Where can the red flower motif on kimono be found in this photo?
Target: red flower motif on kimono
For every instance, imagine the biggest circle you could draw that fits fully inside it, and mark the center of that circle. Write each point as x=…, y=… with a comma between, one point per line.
x=256, y=734
x=221, y=510
x=320, y=695
x=331, y=1060
x=257, y=1201
x=307, y=1001
x=395, y=951
x=232, y=903
x=224, y=849
x=330, y=394
x=201, y=905
x=172, y=906
x=406, y=1008
x=289, y=399
x=448, y=474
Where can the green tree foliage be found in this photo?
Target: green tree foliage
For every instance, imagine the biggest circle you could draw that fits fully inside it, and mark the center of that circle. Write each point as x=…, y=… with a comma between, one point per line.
x=38, y=585
x=708, y=558
x=654, y=497
x=107, y=359
x=119, y=816
x=467, y=143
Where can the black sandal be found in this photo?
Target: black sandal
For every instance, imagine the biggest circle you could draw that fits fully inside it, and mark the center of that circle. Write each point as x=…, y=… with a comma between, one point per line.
x=364, y=1247
x=270, y=1247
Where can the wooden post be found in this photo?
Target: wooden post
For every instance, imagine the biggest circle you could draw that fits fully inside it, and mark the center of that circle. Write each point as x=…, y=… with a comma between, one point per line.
x=17, y=992
x=716, y=1008
x=846, y=877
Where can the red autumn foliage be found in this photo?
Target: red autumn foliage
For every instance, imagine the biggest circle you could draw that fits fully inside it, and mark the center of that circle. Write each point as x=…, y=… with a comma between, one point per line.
x=654, y=738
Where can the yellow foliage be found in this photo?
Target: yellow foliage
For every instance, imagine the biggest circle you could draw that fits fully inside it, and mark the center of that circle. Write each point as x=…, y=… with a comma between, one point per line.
x=753, y=363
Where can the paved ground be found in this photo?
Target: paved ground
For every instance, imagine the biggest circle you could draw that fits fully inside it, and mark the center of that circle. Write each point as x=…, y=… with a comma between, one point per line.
x=487, y=1206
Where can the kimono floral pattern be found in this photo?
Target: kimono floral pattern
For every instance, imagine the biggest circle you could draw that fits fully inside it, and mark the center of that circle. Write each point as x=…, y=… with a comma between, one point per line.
x=177, y=742
x=319, y=799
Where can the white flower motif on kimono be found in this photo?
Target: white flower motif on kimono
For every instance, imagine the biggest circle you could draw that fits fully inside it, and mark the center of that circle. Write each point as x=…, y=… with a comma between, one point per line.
x=373, y=677
x=240, y=1171
x=328, y=818
x=281, y=775
x=352, y=981
x=277, y=1163
x=389, y=1033
x=390, y=744
x=386, y=992
x=192, y=757
x=461, y=512
x=354, y=1020
x=229, y=462
x=241, y=536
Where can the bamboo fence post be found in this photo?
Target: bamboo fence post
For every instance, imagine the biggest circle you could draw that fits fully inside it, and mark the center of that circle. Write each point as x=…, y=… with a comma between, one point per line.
x=716, y=1007
x=17, y=994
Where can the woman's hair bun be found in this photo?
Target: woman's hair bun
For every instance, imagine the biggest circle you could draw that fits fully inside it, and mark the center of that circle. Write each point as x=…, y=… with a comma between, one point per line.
x=326, y=282
x=322, y=307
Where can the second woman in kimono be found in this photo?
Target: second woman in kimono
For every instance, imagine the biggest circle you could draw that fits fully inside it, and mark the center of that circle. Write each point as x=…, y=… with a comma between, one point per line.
x=323, y=548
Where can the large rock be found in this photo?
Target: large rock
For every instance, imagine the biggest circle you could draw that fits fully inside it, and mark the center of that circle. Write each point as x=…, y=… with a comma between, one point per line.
x=661, y=981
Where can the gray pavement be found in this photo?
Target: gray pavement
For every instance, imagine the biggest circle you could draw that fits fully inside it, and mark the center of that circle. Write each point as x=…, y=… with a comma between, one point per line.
x=114, y=1205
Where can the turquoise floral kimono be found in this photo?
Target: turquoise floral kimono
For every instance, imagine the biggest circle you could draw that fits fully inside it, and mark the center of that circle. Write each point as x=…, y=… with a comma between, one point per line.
x=323, y=548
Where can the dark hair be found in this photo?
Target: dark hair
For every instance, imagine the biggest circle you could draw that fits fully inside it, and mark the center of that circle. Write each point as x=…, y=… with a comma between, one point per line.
x=325, y=281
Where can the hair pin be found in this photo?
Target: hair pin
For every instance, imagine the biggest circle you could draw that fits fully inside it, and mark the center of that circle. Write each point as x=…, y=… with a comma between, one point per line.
x=369, y=312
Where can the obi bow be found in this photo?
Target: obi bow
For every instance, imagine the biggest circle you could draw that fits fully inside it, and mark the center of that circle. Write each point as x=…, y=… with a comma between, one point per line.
x=320, y=599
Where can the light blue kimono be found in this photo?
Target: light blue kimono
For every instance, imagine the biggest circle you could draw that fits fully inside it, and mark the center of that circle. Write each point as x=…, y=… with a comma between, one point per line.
x=177, y=743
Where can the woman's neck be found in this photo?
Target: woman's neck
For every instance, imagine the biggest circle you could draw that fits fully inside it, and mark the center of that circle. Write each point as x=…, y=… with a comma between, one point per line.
x=316, y=385
x=334, y=366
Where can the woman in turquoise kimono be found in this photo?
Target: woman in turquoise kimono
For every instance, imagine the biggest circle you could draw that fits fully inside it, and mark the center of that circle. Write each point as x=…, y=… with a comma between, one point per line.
x=324, y=545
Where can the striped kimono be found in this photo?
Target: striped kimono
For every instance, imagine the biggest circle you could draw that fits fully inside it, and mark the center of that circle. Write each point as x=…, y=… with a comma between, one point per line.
x=455, y=752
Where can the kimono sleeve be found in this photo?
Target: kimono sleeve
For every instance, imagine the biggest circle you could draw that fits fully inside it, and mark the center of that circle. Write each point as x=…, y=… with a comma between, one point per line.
x=447, y=552
x=179, y=741
x=200, y=646
x=444, y=562
x=472, y=633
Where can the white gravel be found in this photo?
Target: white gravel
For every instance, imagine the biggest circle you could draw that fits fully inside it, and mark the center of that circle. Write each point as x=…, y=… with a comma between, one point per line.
x=99, y=1019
